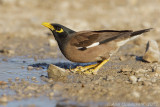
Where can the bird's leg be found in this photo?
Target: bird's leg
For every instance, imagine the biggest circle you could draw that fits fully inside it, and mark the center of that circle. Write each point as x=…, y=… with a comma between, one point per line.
x=94, y=70
x=83, y=68
x=90, y=69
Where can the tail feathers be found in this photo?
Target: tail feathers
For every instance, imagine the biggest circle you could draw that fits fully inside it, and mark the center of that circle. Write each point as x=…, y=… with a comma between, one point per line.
x=140, y=32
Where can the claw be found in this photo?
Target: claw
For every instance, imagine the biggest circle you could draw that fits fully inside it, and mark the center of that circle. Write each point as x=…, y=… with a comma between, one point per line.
x=90, y=69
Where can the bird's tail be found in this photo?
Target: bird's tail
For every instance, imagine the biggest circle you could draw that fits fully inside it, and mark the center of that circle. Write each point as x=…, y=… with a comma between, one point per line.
x=140, y=32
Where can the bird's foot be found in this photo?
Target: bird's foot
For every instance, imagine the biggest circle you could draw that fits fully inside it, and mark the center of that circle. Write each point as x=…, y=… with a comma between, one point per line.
x=84, y=69
x=90, y=69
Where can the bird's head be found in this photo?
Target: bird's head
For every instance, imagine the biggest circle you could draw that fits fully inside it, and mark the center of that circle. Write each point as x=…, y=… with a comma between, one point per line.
x=59, y=31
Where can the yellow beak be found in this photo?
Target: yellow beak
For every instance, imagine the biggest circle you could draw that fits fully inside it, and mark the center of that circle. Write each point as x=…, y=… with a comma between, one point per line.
x=48, y=25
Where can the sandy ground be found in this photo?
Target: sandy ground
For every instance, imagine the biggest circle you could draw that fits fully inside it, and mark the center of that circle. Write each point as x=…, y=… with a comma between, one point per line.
x=125, y=80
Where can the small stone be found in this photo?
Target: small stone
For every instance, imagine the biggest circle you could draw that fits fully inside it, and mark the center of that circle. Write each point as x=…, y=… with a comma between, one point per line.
x=122, y=58
x=4, y=59
x=126, y=69
x=51, y=94
x=29, y=68
x=28, y=77
x=136, y=94
x=152, y=53
x=29, y=95
x=33, y=78
x=3, y=83
x=58, y=86
x=153, y=80
x=56, y=72
x=11, y=52
x=22, y=67
x=157, y=69
x=141, y=79
x=141, y=71
x=17, y=78
x=146, y=83
x=3, y=99
x=110, y=78
x=133, y=79
x=9, y=80
x=38, y=68
x=31, y=88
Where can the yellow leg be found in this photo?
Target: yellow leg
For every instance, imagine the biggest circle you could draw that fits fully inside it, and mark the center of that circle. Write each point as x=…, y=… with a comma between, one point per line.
x=91, y=69
x=99, y=66
x=82, y=69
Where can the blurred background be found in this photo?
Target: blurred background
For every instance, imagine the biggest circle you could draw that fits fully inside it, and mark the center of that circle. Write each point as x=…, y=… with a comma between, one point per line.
x=24, y=17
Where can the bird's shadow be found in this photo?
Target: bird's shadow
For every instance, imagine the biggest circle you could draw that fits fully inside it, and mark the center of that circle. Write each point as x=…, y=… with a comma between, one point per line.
x=65, y=65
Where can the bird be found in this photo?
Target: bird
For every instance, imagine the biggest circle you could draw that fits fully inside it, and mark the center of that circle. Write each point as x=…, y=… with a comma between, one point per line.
x=90, y=45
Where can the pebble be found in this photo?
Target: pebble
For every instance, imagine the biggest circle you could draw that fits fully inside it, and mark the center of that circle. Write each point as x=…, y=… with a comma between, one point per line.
x=55, y=71
x=3, y=83
x=9, y=80
x=29, y=68
x=22, y=67
x=141, y=71
x=33, y=78
x=157, y=69
x=152, y=53
x=51, y=94
x=4, y=59
x=141, y=79
x=136, y=94
x=3, y=99
x=17, y=79
x=126, y=69
x=122, y=58
x=153, y=80
x=146, y=83
x=133, y=79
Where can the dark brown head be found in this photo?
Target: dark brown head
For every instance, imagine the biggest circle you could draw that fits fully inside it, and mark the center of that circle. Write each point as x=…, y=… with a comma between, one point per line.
x=60, y=32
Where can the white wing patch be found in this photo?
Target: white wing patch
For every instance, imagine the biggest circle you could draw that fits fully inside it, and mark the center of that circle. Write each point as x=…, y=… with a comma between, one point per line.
x=90, y=46
x=93, y=45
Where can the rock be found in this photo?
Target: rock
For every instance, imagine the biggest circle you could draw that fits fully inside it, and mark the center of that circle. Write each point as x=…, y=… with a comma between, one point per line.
x=141, y=71
x=126, y=69
x=122, y=58
x=29, y=68
x=56, y=72
x=3, y=83
x=33, y=78
x=3, y=99
x=157, y=69
x=133, y=79
x=136, y=94
x=152, y=53
x=51, y=94
x=6, y=51
x=17, y=79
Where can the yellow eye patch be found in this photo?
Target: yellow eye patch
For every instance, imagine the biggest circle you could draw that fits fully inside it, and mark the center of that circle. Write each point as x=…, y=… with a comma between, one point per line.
x=48, y=25
x=59, y=31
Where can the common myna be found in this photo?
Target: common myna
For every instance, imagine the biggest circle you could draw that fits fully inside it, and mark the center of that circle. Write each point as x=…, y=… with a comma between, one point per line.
x=90, y=46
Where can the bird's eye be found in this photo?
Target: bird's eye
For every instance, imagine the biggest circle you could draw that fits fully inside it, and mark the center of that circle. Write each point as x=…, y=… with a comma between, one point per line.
x=59, y=30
